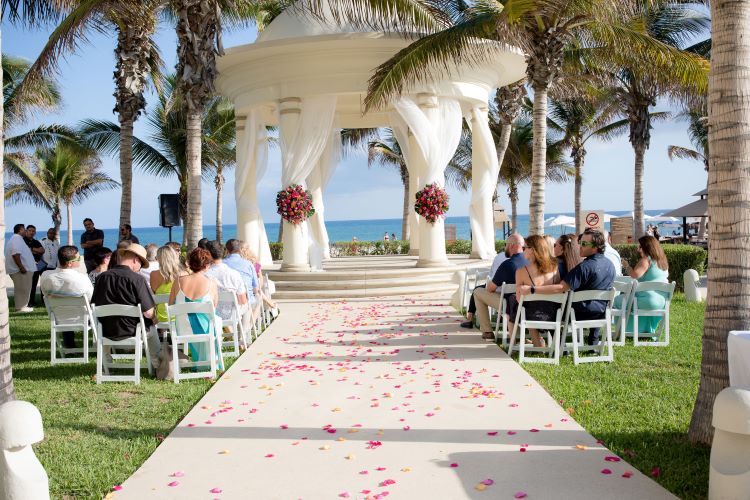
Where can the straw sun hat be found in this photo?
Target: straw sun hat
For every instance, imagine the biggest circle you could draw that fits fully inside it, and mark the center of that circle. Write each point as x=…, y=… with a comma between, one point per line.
x=138, y=251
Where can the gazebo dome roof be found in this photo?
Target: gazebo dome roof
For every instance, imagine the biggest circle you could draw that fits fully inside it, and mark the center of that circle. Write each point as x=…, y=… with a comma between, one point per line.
x=293, y=24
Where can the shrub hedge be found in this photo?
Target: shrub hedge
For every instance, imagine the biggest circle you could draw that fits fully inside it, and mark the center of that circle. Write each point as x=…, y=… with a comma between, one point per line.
x=680, y=259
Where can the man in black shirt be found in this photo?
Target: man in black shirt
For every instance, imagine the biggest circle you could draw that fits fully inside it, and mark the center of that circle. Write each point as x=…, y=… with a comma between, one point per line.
x=126, y=233
x=37, y=250
x=123, y=285
x=91, y=239
x=506, y=273
x=596, y=272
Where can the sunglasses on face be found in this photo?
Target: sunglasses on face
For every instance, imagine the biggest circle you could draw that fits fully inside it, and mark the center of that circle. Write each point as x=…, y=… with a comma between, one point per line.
x=589, y=244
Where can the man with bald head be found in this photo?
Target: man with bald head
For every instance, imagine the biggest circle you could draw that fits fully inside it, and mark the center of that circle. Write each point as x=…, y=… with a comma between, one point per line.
x=506, y=273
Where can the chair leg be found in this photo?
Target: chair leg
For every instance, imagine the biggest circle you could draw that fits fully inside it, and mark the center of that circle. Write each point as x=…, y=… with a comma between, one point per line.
x=137, y=360
x=99, y=362
x=85, y=345
x=53, y=345
x=522, y=341
x=574, y=337
x=175, y=361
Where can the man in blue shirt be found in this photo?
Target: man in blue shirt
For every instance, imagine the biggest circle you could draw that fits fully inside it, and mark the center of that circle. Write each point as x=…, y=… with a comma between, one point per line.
x=246, y=270
x=596, y=272
x=506, y=273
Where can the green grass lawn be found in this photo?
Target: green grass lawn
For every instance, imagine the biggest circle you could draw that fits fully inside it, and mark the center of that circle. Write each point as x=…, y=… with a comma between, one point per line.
x=640, y=405
x=95, y=435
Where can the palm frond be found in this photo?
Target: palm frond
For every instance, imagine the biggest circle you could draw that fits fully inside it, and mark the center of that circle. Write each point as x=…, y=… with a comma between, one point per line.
x=683, y=153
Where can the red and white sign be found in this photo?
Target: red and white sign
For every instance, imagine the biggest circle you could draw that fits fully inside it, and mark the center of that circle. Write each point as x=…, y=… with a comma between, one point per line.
x=592, y=219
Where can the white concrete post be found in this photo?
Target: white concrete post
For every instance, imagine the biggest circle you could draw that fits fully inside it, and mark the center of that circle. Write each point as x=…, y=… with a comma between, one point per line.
x=296, y=256
x=21, y=474
x=484, y=170
x=415, y=166
x=729, y=472
x=691, y=279
x=431, y=236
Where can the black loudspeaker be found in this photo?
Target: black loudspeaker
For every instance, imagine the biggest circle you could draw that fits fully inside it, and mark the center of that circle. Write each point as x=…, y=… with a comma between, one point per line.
x=169, y=210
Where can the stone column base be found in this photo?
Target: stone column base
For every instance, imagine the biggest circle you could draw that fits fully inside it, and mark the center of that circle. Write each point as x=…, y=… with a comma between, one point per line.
x=295, y=268
x=475, y=255
x=433, y=263
x=413, y=251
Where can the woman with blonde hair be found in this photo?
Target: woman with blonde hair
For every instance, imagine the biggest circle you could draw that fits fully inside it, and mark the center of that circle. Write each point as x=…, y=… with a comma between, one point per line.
x=163, y=278
x=248, y=254
x=541, y=270
x=568, y=254
x=652, y=266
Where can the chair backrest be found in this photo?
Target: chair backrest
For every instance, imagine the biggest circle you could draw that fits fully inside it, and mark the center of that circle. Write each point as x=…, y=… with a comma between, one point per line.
x=624, y=287
x=558, y=298
x=656, y=286
x=507, y=288
x=624, y=279
x=227, y=297
x=583, y=295
x=118, y=310
x=161, y=298
x=67, y=308
x=184, y=308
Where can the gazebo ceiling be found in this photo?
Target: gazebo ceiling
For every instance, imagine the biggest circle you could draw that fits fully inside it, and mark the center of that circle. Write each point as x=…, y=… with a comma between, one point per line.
x=300, y=56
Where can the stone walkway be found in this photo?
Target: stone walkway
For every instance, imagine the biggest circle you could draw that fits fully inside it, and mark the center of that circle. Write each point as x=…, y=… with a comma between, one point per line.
x=376, y=398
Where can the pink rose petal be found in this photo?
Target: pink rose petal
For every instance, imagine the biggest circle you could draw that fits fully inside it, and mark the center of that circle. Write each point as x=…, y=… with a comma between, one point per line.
x=512, y=433
x=179, y=473
x=612, y=458
x=454, y=465
x=345, y=494
x=488, y=482
x=520, y=494
x=215, y=490
x=116, y=488
x=173, y=483
x=606, y=471
x=492, y=433
x=627, y=474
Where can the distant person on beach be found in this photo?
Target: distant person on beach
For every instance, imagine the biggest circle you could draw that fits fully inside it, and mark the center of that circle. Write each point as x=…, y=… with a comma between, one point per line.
x=126, y=233
x=393, y=236
x=385, y=237
x=91, y=239
x=51, y=244
x=20, y=266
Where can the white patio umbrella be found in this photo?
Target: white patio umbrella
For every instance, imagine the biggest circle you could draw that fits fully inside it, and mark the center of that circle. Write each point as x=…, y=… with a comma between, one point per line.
x=560, y=220
x=661, y=219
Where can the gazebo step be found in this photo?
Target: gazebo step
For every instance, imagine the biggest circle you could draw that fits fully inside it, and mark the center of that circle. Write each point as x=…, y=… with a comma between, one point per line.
x=362, y=272
x=362, y=292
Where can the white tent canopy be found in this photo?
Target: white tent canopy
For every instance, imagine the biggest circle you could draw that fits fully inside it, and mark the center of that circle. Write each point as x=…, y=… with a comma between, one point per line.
x=560, y=220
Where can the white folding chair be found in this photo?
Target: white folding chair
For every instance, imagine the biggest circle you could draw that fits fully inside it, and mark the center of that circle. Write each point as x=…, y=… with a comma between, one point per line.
x=233, y=323
x=625, y=289
x=469, y=278
x=161, y=298
x=576, y=327
x=502, y=320
x=663, y=328
x=553, y=339
x=69, y=314
x=181, y=333
x=137, y=343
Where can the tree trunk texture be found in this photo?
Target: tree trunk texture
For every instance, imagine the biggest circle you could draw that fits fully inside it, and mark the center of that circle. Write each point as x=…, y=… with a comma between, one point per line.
x=7, y=391
x=538, y=163
x=219, y=183
x=578, y=154
x=183, y=211
x=194, y=222
x=513, y=195
x=405, y=230
x=133, y=54
x=638, y=215
x=69, y=209
x=502, y=144
x=126, y=170
x=728, y=303
x=57, y=219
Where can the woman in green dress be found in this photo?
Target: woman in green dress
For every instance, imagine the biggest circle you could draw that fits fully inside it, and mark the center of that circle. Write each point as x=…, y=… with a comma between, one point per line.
x=652, y=266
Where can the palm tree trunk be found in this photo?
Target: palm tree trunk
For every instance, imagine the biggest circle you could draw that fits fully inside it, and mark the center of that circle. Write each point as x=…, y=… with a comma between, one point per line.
x=405, y=232
x=638, y=221
x=57, y=219
x=538, y=163
x=728, y=303
x=502, y=144
x=126, y=169
x=219, y=182
x=183, y=211
x=69, y=207
x=194, y=223
x=7, y=391
x=578, y=163
x=513, y=195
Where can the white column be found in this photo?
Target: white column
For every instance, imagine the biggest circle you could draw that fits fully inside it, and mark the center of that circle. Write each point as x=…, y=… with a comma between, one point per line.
x=244, y=174
x=415, y=166
x=318, y=233
x=431, y=236
x=484, y=170
x=295, y=235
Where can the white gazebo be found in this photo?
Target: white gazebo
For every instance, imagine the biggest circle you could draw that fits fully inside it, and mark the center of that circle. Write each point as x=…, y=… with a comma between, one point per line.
x=309, y=77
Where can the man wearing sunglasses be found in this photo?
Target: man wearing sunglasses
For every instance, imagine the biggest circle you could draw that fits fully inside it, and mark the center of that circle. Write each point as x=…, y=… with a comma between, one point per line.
x=596, y=272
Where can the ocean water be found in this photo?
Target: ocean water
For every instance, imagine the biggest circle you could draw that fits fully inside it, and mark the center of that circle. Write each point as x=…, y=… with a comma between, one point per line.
x=364, y=230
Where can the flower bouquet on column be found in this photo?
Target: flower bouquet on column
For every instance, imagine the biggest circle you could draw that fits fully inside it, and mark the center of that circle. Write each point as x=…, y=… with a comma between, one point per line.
x=431, y=202
x=294, y=204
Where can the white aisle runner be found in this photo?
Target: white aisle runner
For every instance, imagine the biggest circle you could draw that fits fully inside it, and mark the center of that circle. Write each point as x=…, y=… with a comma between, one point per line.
x=374, y=399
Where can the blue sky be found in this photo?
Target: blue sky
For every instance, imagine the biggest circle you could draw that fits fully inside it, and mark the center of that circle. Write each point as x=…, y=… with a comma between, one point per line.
x=355, y=191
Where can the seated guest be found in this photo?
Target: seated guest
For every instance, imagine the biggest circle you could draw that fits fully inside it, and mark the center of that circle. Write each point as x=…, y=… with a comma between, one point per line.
x=541, y=270
x=506, y=273
x=65, y=280
x=248, y=254
x=596, y=272
x=247, y=270
x=162, y=279
x=227, y=280
x=472, y=309
x=101, y=258
x=153, y=264
x=203, y=243
x=126, y=233
x=612, y=254
x=123, y=285
x=652, y=266
x=115, y=258
x=197, y=287
x=567, y=253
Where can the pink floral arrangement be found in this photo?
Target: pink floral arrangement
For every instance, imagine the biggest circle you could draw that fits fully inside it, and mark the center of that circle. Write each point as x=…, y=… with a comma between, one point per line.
x=432, y=202
x=294, y=204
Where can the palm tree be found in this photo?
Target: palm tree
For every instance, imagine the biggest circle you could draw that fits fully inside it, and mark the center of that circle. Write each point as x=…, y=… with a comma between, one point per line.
x=136, y=55
x=165, y=155
x=578, y=120
x=698, y=134
x=548, y=32
x=55, y=177
x=219, y=139
x=30, y=13
x=728, y=202
x=637, y=87
x=387, y=153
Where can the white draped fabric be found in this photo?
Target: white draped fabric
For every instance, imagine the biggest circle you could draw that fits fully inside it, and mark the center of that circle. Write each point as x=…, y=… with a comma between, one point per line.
x=484, y=170
x=317, y=182
x=252, y=163
x=437, y=130
x=401, y=133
